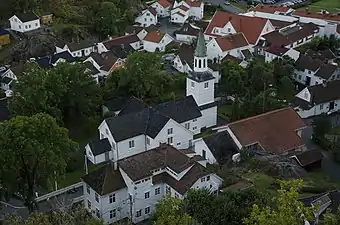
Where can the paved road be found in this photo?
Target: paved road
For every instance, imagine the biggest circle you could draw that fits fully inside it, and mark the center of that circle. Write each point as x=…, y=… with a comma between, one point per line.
x=228, y=8
x=17, y=206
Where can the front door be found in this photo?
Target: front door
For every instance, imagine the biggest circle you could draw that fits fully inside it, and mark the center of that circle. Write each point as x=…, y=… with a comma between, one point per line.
x=307, y=81
x=331, y=106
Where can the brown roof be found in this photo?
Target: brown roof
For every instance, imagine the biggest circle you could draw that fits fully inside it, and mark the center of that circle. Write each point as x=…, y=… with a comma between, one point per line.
x=105, y=180
x=140, y=166
x=280, y=24
x=232, y=58
x=186, y=54
x=287, y=36
x=233, y=41
x=271, y=130
x=308, y=157
x=184, y=184
x=154, y=36
x=269, y=8
x=183, y=7
x=277, y=50
x=105, y=60
x=122, y=40
x=164, y=3
x=193, y=3
x=181, y=14
x=152, y=10
x=251, y=27
x=306, y=13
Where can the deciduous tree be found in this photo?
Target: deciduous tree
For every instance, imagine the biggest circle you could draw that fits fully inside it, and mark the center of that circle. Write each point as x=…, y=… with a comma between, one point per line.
x=34, y=150
x=287, y=210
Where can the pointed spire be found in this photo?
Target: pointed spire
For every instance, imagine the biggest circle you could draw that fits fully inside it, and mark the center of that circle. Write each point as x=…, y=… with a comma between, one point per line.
x=201, y=49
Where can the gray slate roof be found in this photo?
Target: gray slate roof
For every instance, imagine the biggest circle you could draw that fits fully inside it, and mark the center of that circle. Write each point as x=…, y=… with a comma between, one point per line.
x=201, y=76
x=25, y=17
x=100, y=146
x=326, y=71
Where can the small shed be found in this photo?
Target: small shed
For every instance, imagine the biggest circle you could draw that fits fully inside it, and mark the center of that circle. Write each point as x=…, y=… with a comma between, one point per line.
x=4, y=37
x=309, y=159
x=46, y=17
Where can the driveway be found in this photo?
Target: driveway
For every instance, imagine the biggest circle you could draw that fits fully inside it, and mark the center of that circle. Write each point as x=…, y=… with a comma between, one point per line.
x=228, y=8
x=167, y=27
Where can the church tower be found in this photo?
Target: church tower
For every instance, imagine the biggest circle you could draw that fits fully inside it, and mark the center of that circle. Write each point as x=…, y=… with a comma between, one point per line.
x=201, y=85
x=200, y=82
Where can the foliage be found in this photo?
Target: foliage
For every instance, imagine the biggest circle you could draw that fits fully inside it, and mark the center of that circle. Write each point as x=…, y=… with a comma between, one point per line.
x=34, y=150
x=141, y=77
x=78, y=216
x=321, y=43
x=331, y=219
x=227, y=208
x=169, y=211
x=287, y=210
x=259, y=88
x=321, y=126
x=66, y=92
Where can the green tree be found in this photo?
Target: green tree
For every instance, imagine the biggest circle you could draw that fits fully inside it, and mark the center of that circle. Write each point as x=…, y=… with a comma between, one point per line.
x=232, y=78
x=287, y=210
x=321, y=126
x=169, y=211
x=66, y=92
x=35, y=151
x=331, y=219
x=227, y=208
x=141, y=77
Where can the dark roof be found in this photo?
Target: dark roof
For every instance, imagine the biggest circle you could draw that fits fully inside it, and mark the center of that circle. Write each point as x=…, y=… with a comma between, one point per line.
x=184, y=184
x=207, y=106
x=4, y=110
x=279, y=23
x=201, y=76
x=80, y=45
x=100, y=146
x=63, y=55
x=133, y=105
x=149, y=121
x=3, y=31
x=186, y=54
x=140, y=166
x=44, y=62
x=180, y=110
x=188, y=29
x=221, y=146
x=305, y=62
x=325, y=93
x=326, y=71
x=25, y=17
x=247, y=54
x=321, y=55
x=115, y=104
x=6, y=80
x=301, y=103
x=277, y=50
x=125, y=40
x=289, y=35
x=105, y=60
x=308, y=157
x=122, y=51
x=232, y=58
x=105, y=180
x=91, y=67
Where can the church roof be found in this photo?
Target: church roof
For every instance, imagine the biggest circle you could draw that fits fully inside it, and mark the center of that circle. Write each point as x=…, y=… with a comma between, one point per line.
x=201, y=49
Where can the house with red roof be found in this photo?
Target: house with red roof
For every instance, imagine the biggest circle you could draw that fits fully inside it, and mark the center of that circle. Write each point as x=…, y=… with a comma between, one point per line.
x=225, y=23
x=156, y=40
x=269, y=132
x=232, y=45
x=162, y=7
x=182, y=10
x=147, y=17
x=180, y=14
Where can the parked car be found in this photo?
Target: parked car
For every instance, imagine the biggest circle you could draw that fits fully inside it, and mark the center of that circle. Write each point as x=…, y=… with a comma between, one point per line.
x=227, y=3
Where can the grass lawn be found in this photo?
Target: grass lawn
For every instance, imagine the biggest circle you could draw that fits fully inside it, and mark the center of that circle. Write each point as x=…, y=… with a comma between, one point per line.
x=240, y=5
x=329, y=5
x=224, y=111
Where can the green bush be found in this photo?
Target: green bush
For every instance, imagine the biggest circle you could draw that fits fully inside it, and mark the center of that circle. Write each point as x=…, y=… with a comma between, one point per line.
x=2, y=95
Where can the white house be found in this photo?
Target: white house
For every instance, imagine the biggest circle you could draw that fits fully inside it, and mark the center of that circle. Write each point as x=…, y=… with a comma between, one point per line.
x=162, y=7
x=147, y=17
x=318, y=99
x=224, y=23
x=309, y=71
x=127, y=41
x=24, y=22
x=188, y=33
x=81, y=49
x=156, y=40
x=179, y=17
x=232, y=44
x=274, y=52
x=133, y=186
x=195, y=8
x=50, y=61
x=7, y=77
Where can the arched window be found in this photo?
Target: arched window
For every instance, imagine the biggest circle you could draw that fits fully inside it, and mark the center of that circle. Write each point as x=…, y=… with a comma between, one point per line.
x=204, y=63
x=199, y=63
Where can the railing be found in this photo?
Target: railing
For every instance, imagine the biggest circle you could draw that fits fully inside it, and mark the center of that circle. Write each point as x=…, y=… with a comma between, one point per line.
x=58, y=192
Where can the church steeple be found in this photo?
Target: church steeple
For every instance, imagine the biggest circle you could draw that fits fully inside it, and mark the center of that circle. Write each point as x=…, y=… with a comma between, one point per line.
x=200, y=55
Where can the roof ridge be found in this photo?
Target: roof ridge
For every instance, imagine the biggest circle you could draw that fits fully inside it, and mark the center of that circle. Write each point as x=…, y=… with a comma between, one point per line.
x=257, y=116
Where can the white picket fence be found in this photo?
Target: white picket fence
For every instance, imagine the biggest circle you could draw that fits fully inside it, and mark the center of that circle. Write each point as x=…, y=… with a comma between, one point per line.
x=59, y=192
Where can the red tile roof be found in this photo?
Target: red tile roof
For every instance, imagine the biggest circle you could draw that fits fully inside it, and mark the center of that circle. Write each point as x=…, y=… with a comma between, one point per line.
x=232, y=41
x=164, y=3
x=154, y=36
x=275, y=131
x=193, y=3
x=306, y=13
x=251, y=27
x=269, y=8
x=181, y=14
x=183, y=7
